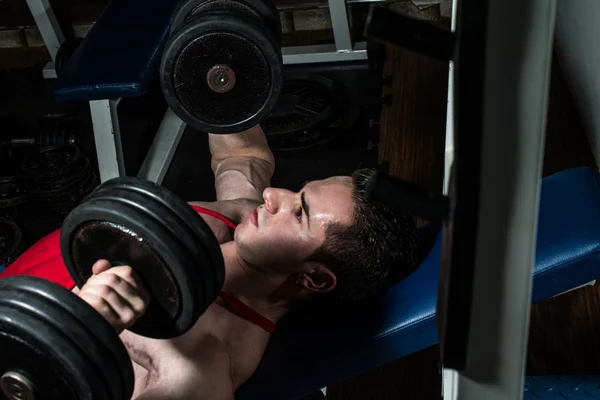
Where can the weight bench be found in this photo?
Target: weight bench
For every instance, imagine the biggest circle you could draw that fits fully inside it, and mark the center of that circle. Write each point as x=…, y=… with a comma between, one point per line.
x=119, y=58
x=310, y=350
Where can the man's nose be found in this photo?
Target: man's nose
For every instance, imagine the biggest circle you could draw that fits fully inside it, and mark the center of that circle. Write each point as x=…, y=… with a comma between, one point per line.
x=275, y=199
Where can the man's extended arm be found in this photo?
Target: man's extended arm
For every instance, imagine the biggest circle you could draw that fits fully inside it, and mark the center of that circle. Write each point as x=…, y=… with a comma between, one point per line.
x=242, y=163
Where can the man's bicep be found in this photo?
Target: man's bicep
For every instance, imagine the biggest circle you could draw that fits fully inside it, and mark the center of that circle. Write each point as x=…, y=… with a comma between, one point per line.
x=242, y=178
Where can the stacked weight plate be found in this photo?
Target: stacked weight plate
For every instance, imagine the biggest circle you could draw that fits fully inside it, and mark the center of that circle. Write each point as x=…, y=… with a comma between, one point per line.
x=312, y=111
x=11, y=244
x=61, y=176
x=221, y=70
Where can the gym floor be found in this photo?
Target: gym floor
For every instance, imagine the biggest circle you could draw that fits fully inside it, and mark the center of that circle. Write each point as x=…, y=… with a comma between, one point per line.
x=564, y=330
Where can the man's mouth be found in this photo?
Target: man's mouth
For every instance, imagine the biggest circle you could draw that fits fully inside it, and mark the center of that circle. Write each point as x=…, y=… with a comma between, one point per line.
x=254, y=216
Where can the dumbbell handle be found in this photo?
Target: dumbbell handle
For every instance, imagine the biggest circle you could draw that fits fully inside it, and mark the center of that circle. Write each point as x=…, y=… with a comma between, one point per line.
x=22, y=142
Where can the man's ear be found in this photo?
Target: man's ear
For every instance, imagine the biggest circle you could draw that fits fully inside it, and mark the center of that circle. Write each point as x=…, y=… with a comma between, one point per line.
x=317, y=279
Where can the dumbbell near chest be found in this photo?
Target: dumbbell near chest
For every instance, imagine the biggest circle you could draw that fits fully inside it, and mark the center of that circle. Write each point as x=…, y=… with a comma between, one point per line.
x=55, y=346
x=222, y=68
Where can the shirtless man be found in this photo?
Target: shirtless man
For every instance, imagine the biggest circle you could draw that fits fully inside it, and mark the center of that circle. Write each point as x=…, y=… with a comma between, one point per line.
x=323, y=242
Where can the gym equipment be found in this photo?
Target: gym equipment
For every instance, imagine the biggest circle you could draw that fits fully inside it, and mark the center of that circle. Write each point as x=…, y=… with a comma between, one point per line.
x=53, y=129
x=221, y=70
x=263, y=9
x=13, y=191
x=50, y=161
x=305, y=101
x=56, y=346
x=61, y=177
x=10, y=241
x=134, y=222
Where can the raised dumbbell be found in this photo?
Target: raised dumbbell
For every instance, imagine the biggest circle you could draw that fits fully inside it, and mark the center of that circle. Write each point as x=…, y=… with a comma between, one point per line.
x=55, y=346
x=222, y=68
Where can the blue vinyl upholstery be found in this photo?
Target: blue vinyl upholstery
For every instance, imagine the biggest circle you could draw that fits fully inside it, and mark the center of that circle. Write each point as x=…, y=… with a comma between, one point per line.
x=120, y=54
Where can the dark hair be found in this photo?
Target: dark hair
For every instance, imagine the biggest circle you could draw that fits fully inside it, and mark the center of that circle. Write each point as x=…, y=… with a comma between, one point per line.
x=378, y=249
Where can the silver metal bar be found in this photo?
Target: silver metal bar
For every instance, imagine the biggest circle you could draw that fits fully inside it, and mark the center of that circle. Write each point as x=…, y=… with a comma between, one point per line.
x=322, y=53
x=591, y=283
x=107, y=136
x=449, y=147
x=294, y=5
x=47, y=24
x=340, y=25
x=49, y=71
x=159, y=157
x=516, y=80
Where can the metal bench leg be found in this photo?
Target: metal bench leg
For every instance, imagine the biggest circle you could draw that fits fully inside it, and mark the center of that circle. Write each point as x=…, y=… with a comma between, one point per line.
x=47, y=24
x=157, y=161
x=342, y=50
x=108, y=139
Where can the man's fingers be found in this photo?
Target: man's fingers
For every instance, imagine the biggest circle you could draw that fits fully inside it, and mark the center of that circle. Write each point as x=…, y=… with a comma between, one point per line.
x=127, y=313
x=100, y=266
x=103, y=307
x=116, y=293
x=135, y=297
x=133, y=280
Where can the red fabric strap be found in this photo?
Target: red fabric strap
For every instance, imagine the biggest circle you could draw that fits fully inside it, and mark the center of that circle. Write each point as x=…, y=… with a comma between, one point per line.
x=248, y=313
x=214, y=214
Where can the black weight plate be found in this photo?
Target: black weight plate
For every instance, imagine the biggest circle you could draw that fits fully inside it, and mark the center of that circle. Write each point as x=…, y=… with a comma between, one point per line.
x=48, y=183
x=189, y=8
x=10, y=241
x=305, y=101
x=12, y=191
x=12, y=186
x=75, y=193
x=60, y=308
x=51, y=161
x=34, y=340
x=96, y=230
x=9, y=213
x=201, y=234
x=263, y=9
x=304, y=140
x=88, y=330
x=241, y=43
x=194, y=250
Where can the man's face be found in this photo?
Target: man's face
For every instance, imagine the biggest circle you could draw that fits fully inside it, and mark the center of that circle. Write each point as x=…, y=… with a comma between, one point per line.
x=290, y=226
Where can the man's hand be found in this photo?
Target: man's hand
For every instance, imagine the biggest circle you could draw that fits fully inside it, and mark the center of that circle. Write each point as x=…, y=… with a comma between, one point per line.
x=116, y=293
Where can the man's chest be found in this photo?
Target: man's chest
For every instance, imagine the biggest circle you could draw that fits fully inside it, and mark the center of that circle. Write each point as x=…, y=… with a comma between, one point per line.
x=221, y=350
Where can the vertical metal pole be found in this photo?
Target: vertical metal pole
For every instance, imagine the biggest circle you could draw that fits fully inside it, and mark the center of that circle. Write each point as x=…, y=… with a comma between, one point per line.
x=107, y=136
x=449, y=146
x=340, y=25
x=517, y=68
x=47, y=24
x=159, y=157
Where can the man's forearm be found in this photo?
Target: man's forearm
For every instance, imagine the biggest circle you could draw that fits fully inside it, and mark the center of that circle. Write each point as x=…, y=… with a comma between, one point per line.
x=250, y=143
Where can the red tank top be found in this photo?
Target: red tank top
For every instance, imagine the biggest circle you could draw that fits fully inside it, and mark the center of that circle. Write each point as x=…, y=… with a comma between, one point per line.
x=44, y=260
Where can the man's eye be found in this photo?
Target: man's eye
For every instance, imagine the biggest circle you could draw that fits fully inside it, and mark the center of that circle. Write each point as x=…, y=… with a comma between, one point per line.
x=299, y=214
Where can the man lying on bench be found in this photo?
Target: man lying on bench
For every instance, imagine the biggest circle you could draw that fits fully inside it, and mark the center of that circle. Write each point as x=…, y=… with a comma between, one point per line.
x=281, y=249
